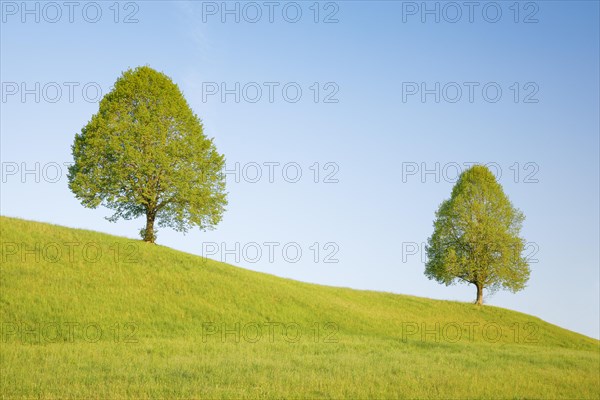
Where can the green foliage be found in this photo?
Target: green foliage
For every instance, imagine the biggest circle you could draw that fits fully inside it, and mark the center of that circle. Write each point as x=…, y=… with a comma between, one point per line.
x=168, y=296
x=145, y=153
x=476, y=237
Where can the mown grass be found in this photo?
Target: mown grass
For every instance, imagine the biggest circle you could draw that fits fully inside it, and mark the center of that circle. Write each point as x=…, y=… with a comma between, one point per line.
x=134, y=320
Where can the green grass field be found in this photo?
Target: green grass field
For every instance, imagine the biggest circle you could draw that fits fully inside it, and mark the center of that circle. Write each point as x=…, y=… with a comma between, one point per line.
x=89, y=315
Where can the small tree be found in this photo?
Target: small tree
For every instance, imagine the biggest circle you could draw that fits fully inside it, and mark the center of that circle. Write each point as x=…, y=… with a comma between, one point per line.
x=145, y=153
x=476, y=237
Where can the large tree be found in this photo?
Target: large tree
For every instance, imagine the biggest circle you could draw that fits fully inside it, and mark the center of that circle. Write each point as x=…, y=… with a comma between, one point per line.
x=145, y=154
x=476, y=237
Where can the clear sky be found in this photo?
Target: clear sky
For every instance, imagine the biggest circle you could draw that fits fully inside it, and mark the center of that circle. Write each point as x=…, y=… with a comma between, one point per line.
x=390, y=98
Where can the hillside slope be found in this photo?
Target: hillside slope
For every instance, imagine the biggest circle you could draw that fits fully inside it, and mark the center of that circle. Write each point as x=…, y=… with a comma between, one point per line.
x=86, y=314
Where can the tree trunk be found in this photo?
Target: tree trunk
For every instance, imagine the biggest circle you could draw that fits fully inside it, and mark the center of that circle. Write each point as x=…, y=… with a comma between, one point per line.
x=149, y=230
x=479, y=300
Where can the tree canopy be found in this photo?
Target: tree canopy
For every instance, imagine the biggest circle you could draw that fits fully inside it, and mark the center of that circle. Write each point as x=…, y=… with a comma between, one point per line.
x=145, y=153
x=476, y=237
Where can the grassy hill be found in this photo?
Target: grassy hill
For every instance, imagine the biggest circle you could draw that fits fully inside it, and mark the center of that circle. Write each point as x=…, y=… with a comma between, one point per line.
x=89, y=315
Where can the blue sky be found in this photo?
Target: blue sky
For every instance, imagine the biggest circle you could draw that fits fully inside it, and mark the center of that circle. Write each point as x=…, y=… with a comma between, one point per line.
x=361, y=69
